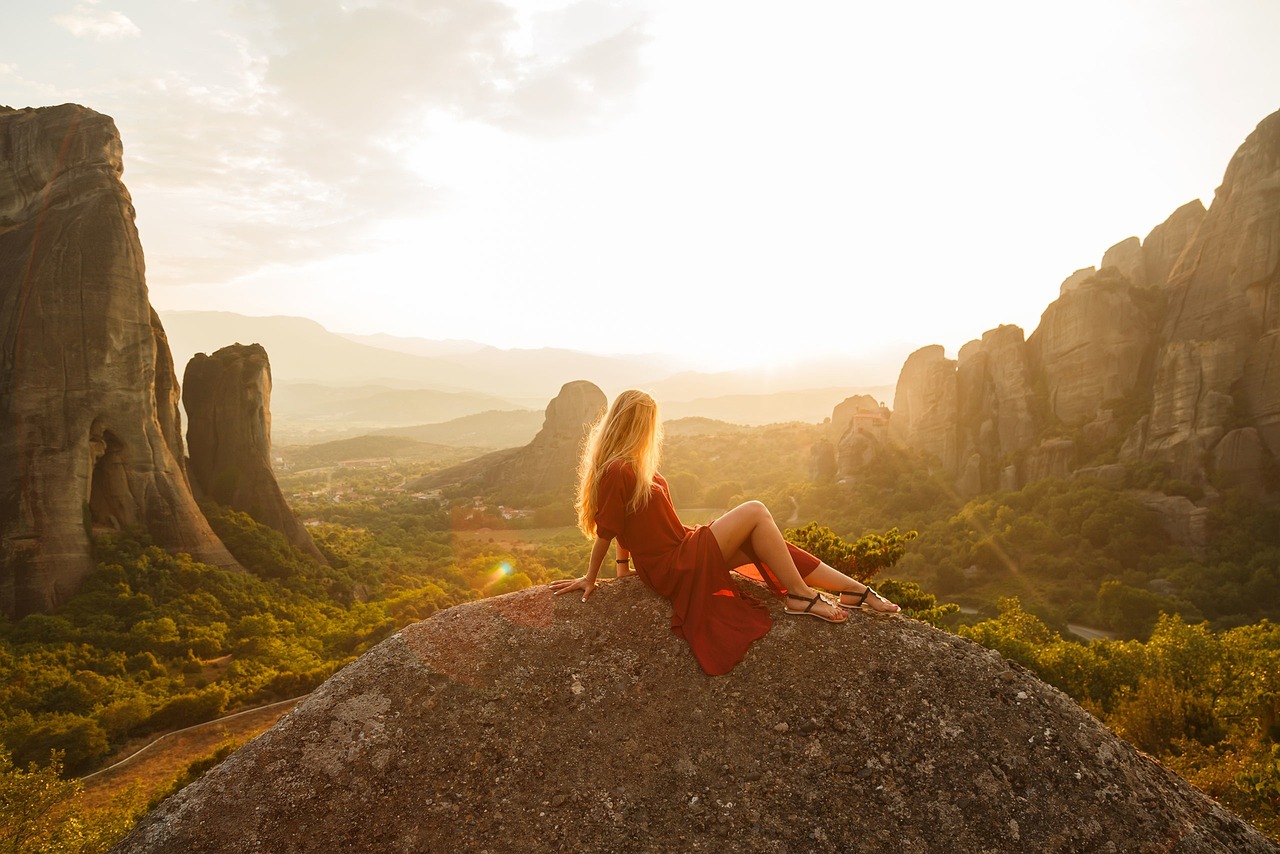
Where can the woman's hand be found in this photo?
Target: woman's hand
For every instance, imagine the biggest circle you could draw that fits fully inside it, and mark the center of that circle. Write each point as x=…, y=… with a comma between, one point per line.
x=564, y=585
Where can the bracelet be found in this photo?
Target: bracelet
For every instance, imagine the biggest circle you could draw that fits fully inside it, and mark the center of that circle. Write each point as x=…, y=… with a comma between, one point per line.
x=623, y=560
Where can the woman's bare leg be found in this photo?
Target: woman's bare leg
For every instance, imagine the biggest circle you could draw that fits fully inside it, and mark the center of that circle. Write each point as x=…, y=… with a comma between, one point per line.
x=830, y=578
x=753, y=523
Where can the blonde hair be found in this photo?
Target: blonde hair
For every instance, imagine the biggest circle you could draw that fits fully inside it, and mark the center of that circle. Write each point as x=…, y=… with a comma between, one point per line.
x=630, y=430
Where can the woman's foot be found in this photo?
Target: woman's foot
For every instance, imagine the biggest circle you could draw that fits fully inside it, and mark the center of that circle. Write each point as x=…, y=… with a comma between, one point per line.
x=867, y=598
x=816, y=605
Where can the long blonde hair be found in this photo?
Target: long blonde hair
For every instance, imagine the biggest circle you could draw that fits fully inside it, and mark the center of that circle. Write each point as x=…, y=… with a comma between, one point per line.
x=631, y=431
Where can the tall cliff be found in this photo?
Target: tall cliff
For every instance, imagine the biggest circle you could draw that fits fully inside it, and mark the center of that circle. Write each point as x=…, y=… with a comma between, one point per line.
x=535, y=723
x=227, y=396
x=1167, y=353
x=547, y=467
x=90, y=431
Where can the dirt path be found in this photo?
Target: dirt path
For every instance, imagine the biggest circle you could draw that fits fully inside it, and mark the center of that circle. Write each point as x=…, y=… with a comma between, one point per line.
x=157, y=762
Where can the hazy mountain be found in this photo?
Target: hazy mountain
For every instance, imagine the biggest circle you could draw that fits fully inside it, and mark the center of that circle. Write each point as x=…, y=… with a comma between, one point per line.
x=328, y=384
x=494, y=429
x=809, y=405
x=376, y=405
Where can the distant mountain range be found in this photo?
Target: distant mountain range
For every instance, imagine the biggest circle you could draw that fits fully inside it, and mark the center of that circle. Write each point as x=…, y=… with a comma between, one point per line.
x=328, y=385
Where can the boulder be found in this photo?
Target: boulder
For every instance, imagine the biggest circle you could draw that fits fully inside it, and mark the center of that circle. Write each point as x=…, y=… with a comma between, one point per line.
x=90, y=436
x=1241, y=461
x=537, y=723
x=1184, y=521
x=228, y=400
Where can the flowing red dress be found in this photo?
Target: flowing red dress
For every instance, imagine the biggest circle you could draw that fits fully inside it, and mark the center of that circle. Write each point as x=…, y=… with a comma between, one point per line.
x=685, y=566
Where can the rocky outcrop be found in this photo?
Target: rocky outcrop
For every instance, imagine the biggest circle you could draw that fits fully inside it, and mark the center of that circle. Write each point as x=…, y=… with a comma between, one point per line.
x=1092, y=345
x=536, y=723
x=1126, y=259
x=972, y=413
x=1159, y=355
x=925, y=407
x=858, y=431
x=544, y=469
x=1164, y=245
x=228, y=400
x=998, y=410
x=90, y=435
x=1223, y=306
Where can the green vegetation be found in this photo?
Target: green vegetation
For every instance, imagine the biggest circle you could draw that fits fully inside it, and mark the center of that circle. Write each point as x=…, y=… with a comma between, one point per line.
x=155, y=642
x=1207, y=704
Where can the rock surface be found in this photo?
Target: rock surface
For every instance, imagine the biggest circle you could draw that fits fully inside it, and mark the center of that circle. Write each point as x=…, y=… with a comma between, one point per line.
x=90, y=434
x=1091, y=345
x=547, y=466
x=1223, y=300
x=227, y=396
x=1155, y=357
x=924, y=405
x=542, y=724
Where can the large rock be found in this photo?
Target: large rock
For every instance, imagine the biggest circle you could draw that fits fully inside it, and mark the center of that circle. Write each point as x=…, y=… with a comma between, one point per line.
x=536, y=723
x=228, y=400
x=1165, y=244
x=1223, y=299
x=547, y=467
x=1170, y=345
x=859, y=429
x=924, y=405
x=90, y=435
x=1127, y=259
x=1091, y=345
x=997, y=413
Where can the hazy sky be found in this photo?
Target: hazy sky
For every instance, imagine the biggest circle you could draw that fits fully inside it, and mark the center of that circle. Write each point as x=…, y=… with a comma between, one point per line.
x=731, y=181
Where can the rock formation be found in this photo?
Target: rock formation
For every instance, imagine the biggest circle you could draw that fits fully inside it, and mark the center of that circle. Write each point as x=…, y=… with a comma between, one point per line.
x=547, y=467
x=228, y=401
x=1168, y=348
x=924, y=405
x=858, y=431
x=1090, y=345
x=536, y=723
x=1223, y=317
x=90, y=434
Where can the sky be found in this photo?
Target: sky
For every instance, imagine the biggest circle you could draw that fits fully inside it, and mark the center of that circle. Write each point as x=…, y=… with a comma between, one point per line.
x=732, y=183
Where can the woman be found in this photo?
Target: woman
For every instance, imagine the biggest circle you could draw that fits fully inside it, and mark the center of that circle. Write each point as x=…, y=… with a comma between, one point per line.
x=622, y=497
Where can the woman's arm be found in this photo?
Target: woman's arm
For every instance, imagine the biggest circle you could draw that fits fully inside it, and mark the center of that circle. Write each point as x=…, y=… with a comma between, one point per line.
x=624, y=562
x=586, y=583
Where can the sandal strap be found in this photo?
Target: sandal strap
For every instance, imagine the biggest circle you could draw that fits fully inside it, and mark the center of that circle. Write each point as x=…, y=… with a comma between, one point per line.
x=861, y=594
x=812, y=602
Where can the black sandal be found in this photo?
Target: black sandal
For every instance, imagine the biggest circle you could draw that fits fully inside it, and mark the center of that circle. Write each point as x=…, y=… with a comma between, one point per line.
x=862, y=600
x=817, y=597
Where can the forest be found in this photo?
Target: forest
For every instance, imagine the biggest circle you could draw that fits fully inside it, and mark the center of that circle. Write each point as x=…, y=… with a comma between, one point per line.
x=1185, y=665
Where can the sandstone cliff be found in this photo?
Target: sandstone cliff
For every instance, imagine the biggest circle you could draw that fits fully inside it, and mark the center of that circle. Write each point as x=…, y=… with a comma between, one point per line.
x=89, y=425
x=228, y=400
x=545, y=468
x=533, y=723
x=1166, y=353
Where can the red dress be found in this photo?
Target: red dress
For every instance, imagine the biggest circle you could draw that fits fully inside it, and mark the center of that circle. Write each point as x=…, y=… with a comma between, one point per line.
x=685, y=566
